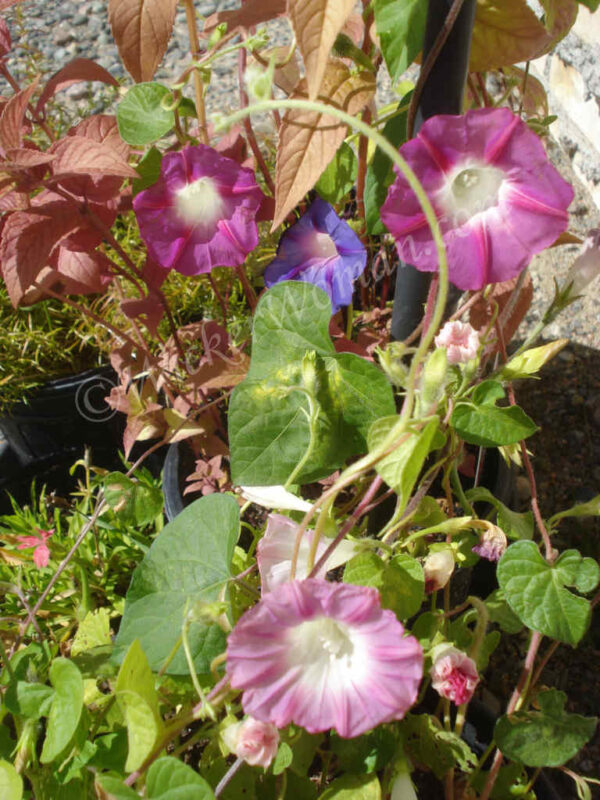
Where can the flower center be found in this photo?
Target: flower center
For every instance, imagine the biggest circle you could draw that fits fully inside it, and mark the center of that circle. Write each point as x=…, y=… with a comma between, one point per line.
x=474, y=190
x=322, y=246
x=199, y=202
x=321, y=643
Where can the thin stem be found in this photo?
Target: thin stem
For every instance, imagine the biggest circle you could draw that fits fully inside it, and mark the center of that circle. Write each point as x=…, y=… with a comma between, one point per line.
x=15, y=86
x=219, y=296
x=262, y=164
x=248, y=290
x=190, y=16
x=228, y=776
x=514, y=701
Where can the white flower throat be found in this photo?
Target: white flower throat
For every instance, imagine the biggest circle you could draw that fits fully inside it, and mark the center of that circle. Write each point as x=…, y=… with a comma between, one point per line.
x=199, y=202
x=320, y=642
x=472, y=190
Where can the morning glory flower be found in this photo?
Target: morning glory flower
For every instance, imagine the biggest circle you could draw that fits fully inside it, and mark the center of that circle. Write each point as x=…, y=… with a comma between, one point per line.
x=320, y=249
x=275, y=552
x=253, y=741
x=200, y=213
x=497, y=197
x=453, y=674
x=460, y=340
x=324, y=655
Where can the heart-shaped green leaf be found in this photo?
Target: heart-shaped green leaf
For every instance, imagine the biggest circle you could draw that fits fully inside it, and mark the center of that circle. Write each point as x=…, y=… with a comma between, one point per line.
x=545, y=738
x=536, y=591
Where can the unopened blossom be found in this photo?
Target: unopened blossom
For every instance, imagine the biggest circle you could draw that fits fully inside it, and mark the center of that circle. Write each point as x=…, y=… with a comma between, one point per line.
x=41, y=554
x=275, y=552
x=324, y=655
x=461, y=341
x=274, y=497
x=253, y=741
x=438, y=568
x=586, y=266
x=320, y=249
x=200, y=213
x=497, y=197
x=453, y=674
x=492, y=543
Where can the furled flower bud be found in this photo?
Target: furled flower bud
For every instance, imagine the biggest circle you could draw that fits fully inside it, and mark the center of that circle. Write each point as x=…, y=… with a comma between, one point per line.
x=492, y=544
x=453, y=674
x=254, y=741
x=438, y=568
x=586, y=266
x=460, y=340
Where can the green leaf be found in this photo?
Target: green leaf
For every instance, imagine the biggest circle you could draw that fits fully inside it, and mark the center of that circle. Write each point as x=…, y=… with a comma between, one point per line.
x=135, y=503
x=593, y=5
x=339, y=176
x=93, y=631
x=149, y=171
x=501, y=613
x=400, y=582
x=516, y=525
x=487, y=392
x=400, y=25
x=189, y=563
x=365, y=754
x=535, y=590
x=531, y=361
x=111, y=751
x=11, y=783
x=66, y=708
x=283, y=759
x=380, y=172
x=30, y=700
x=115, y=788
x=353, y=787
x=7, y=743
x=293, y=365
x=402, y=467
x=489, y=426
x=545, y=738
x=589, y=509
x=141, y=116
x=138, y=701
x=426, y=742
x=170, y=779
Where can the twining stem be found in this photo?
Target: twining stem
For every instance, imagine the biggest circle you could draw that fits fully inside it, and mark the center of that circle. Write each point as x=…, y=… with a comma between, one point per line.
x=190, y=15
x=262, y=164
x=514, y=701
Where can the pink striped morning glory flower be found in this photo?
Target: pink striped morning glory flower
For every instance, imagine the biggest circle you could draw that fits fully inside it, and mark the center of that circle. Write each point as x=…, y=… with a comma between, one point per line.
x=453, y=674
x=200, y=213
x=324, y=655
x=497, y=197
x=320, y=249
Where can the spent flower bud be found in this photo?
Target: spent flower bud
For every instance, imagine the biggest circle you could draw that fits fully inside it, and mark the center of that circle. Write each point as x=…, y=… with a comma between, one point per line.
x=586, y=266
x=438, y=568
x=253, y=741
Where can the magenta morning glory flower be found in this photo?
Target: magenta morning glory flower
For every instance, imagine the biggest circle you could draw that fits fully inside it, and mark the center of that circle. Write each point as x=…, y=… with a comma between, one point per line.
x=200, y=213
x=324, y=655
x=497, y=197
x=320, y=249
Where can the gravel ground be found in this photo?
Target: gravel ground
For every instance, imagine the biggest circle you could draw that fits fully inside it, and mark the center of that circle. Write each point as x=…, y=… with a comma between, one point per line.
x=565, y=402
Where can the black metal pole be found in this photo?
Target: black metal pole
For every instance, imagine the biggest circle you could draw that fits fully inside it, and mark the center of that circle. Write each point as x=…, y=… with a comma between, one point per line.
x=442, y=94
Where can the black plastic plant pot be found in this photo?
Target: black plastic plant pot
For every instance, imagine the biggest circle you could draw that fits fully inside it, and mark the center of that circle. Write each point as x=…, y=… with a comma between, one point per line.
x=63, y=416
x=442, y=93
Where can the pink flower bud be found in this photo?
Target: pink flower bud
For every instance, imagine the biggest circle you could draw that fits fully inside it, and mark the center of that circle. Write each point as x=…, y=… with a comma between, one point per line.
x=586, y=266
x=438, y=568
x=254, y=741
x=460, y=340
x=453, y=674
x=492, y=544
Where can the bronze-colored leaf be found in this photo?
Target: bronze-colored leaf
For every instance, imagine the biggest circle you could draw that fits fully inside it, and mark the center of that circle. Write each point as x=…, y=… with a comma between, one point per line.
x=535, y=99
x=13, y=114
x=508, y=31
x=78, y=155
x=26, y=157
x=142, y=29
x=28, y=239
x=252, y=12
x=308, y=141
x=316, y=24
x=5, y=41
x=80, y=69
